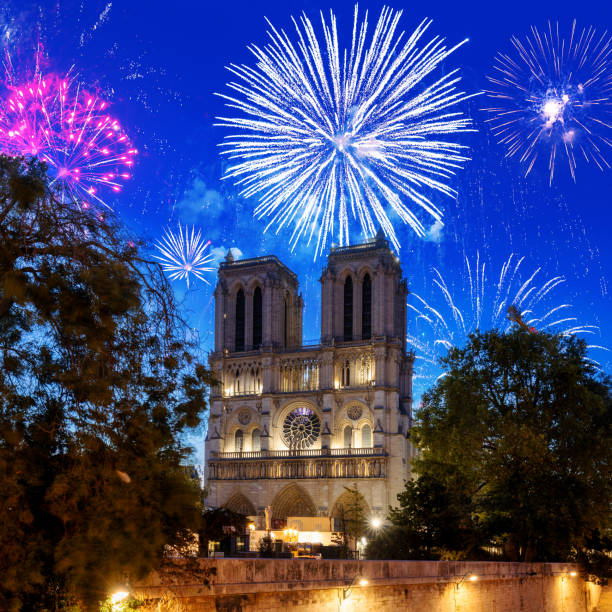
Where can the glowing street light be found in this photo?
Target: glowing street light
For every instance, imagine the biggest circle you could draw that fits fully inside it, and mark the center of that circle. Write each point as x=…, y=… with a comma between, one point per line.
x=466, y=576
x=376, y=522
x=118, y=596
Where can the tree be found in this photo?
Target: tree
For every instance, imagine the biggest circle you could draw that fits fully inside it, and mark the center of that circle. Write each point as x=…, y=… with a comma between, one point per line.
x=214, y=525
x=98, y=382
x=520, y=427
x=350, y=518
x=433, y=521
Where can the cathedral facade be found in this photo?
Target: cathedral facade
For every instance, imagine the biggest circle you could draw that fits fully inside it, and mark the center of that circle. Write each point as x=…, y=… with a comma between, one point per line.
x=291, y=426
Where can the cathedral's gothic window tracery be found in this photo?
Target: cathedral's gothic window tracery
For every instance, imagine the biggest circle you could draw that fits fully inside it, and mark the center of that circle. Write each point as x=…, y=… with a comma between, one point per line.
x=256, y=440
x=348, y=309
x=238, y=441
x=357, y=371
x=366, y=308
x=301, y=428
x=366, y=437
x=240, y=315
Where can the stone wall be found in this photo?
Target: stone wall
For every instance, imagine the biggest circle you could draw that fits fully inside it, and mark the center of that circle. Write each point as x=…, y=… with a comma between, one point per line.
x=250, y=585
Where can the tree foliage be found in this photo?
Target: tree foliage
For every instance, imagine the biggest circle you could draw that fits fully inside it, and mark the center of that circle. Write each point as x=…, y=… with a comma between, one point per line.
x=98, y=382
x=350, y=522
x=515, y=451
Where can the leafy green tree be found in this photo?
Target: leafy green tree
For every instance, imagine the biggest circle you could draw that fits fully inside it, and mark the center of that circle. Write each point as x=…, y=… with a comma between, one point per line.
x=351, y=522
x=98, y=382
x=520, y=426
x=433, y=521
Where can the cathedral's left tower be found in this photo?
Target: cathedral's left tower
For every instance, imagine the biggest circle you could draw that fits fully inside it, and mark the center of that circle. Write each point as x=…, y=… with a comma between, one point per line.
x=257, y=306
x=258, y=312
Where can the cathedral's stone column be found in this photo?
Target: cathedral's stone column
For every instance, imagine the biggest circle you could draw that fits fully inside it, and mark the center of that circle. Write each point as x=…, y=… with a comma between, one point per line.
x=269, y=381
x=220, y=316
x=326, y=369
x=380, y=358
x=264, y=420
x=327, y=426
x=327, y=281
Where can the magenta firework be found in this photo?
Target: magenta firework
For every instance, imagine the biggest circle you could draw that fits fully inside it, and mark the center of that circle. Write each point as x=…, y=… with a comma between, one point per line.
x=88, y=153
x=551, y=97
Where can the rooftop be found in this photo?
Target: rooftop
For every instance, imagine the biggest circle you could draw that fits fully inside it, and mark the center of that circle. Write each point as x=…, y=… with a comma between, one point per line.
x=230, y=263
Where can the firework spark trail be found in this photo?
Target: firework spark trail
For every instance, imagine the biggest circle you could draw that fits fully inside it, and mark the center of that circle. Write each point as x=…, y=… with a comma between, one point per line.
x=325, y=134
x=438, y=324
x=184, y=254
x=56, y=120
x=553, y=96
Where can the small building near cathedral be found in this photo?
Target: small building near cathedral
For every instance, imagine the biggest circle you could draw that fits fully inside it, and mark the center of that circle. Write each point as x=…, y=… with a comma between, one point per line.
x=291, y=426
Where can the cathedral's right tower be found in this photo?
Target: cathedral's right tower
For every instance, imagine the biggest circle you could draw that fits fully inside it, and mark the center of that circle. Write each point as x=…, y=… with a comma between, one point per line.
x=363, y=294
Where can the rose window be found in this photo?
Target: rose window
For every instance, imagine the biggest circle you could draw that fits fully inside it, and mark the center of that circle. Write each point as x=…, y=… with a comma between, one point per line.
x=354, y=412
x=301, y=428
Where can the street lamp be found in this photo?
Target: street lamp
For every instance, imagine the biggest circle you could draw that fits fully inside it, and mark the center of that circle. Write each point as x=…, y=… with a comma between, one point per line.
x=357, y=580
x=467, y=576
x=376, y=522
x=115, y=598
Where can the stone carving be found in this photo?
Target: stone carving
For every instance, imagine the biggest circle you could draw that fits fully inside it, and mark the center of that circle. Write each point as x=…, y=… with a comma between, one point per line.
x=354, y=412
x=244, y=417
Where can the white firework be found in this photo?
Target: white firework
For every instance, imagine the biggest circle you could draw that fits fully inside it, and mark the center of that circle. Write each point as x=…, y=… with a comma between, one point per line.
x=326, y=134
x=479, y=303
x=183, y=254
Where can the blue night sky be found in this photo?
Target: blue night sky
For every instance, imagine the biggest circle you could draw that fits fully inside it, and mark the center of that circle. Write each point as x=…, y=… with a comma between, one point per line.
x=159, y=65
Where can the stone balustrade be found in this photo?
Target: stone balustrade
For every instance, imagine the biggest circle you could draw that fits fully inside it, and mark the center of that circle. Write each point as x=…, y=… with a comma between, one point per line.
x=310, y=463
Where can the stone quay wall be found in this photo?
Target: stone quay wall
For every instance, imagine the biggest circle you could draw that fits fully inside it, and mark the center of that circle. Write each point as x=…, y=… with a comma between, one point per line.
x=270, y=585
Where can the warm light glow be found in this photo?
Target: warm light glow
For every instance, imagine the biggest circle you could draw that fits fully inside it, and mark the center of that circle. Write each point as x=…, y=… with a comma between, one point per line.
x=364, y=541
x=363, y=582
x=573, y=574
x=376, y=523
x=118, y=596
x=473, y=578
x=309, y=537
x=252, y=526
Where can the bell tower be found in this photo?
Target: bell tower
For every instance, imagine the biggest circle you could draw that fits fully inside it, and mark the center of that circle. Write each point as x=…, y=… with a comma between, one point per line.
x=363, y=294
x=257, y=305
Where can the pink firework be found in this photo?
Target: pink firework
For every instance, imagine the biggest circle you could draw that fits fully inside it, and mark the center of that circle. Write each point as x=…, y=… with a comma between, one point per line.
x=85, y=148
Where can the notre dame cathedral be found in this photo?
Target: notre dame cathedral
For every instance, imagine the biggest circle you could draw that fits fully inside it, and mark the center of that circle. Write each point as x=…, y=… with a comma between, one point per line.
x=290, y=425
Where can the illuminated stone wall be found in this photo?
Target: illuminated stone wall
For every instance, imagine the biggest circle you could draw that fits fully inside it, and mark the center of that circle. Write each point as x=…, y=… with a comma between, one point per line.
x=250, y=585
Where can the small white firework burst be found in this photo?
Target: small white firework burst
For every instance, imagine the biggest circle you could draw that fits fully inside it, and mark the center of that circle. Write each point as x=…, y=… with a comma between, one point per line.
x=184, y=253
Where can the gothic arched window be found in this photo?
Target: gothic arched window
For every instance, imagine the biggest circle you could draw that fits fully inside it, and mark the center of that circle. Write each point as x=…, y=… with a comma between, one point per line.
x=239, y=441
x=286, y=324
x=366, y=437
x=257, y=317
x=256, y=440
x=348, y=436
x=346, y=373
x=366, y=308
x=348, y=309
x=240, y=320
